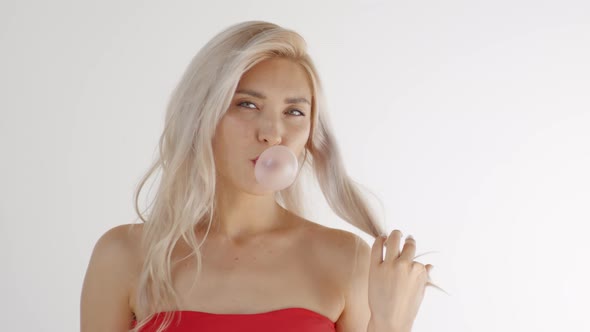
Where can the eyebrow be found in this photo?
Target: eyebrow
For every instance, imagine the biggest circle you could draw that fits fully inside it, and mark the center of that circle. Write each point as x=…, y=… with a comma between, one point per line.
x=294, y=100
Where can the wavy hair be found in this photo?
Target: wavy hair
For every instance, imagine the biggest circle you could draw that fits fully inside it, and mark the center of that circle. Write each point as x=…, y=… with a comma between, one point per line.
x=185, y=195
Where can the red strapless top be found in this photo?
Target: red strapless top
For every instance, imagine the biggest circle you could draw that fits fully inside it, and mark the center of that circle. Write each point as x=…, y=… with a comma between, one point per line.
x=284, y=320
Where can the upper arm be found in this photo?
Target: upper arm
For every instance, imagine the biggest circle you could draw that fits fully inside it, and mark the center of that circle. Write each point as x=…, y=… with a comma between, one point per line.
x=104, y=304
x=356, y=314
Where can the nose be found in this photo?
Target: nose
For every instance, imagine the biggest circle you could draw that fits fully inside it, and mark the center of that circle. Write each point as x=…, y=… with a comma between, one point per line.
x=271, y=137
x=269, y=132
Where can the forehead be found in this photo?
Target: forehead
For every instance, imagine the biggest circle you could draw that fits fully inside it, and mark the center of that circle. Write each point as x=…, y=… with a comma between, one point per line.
x=279, y=75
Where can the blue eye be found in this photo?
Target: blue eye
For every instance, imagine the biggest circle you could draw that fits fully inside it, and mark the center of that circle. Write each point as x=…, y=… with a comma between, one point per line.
x=302, y=114
x=247, y=102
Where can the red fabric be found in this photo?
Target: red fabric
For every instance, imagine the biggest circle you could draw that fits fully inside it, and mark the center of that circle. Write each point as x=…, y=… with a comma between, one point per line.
x=284, y=320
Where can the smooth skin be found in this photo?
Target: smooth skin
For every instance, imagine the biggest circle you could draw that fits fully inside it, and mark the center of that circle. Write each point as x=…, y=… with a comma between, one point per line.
x=304, y=264
x=396, y=283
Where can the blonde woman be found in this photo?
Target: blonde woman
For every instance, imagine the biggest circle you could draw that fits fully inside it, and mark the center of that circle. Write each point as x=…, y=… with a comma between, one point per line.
x=218, y=253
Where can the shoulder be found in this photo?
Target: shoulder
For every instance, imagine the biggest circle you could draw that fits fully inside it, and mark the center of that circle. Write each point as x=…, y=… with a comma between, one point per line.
x=337, y=239
x=344, y=257
x=116, y=256
x=117, y=251
x=121, y=241
x=345, y=249
x=349, y=256
x=108, y=280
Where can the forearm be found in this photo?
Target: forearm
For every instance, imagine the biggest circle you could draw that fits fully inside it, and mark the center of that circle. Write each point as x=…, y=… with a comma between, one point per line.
x=375, y=326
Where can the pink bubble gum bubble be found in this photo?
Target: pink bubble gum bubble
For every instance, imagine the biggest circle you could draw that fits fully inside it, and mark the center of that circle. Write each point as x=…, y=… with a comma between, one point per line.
x=276, y=168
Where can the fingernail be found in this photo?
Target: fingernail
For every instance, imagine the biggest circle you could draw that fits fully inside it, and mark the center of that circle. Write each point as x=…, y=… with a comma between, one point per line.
x=410, y=237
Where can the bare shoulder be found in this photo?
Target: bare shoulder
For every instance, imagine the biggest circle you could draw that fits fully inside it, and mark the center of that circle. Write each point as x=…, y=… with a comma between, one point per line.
x=349, y=258
x=104, y=303
x=333, y=240
x=346, y=250
x=120, y=243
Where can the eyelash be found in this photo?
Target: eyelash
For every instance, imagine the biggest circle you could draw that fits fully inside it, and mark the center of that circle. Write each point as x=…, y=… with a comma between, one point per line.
x=247, y=102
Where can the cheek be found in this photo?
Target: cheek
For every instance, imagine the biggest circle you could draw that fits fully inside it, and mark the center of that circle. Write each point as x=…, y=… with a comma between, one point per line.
x=300, y=136
x=303, y=132
x=230, y=140
x=232, y=132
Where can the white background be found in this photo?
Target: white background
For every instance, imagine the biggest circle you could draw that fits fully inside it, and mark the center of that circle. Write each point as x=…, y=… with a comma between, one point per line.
x=469, y=120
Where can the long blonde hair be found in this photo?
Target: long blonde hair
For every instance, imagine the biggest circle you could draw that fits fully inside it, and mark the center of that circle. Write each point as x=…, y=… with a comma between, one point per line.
x=185, y=195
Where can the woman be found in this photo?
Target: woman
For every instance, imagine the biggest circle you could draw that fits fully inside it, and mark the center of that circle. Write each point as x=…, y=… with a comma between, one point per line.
x=256, y=265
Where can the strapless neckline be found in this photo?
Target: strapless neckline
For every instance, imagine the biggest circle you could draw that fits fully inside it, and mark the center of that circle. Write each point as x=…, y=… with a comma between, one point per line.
x=276, y=311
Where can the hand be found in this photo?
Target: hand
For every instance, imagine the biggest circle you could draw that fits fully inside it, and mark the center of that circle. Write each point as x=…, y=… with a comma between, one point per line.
x=396, y=283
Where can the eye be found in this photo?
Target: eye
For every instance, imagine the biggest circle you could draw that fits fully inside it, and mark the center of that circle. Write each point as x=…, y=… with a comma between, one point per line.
x=302, y=114
x=246, y=102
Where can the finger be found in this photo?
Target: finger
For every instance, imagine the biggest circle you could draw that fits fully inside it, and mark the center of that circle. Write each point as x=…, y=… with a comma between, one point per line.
x=428, y=268
x=392, y=245
x=377, y=250
x=409, y=250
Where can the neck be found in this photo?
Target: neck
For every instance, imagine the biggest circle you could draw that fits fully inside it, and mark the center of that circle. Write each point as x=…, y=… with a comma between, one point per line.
x=240, y=215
